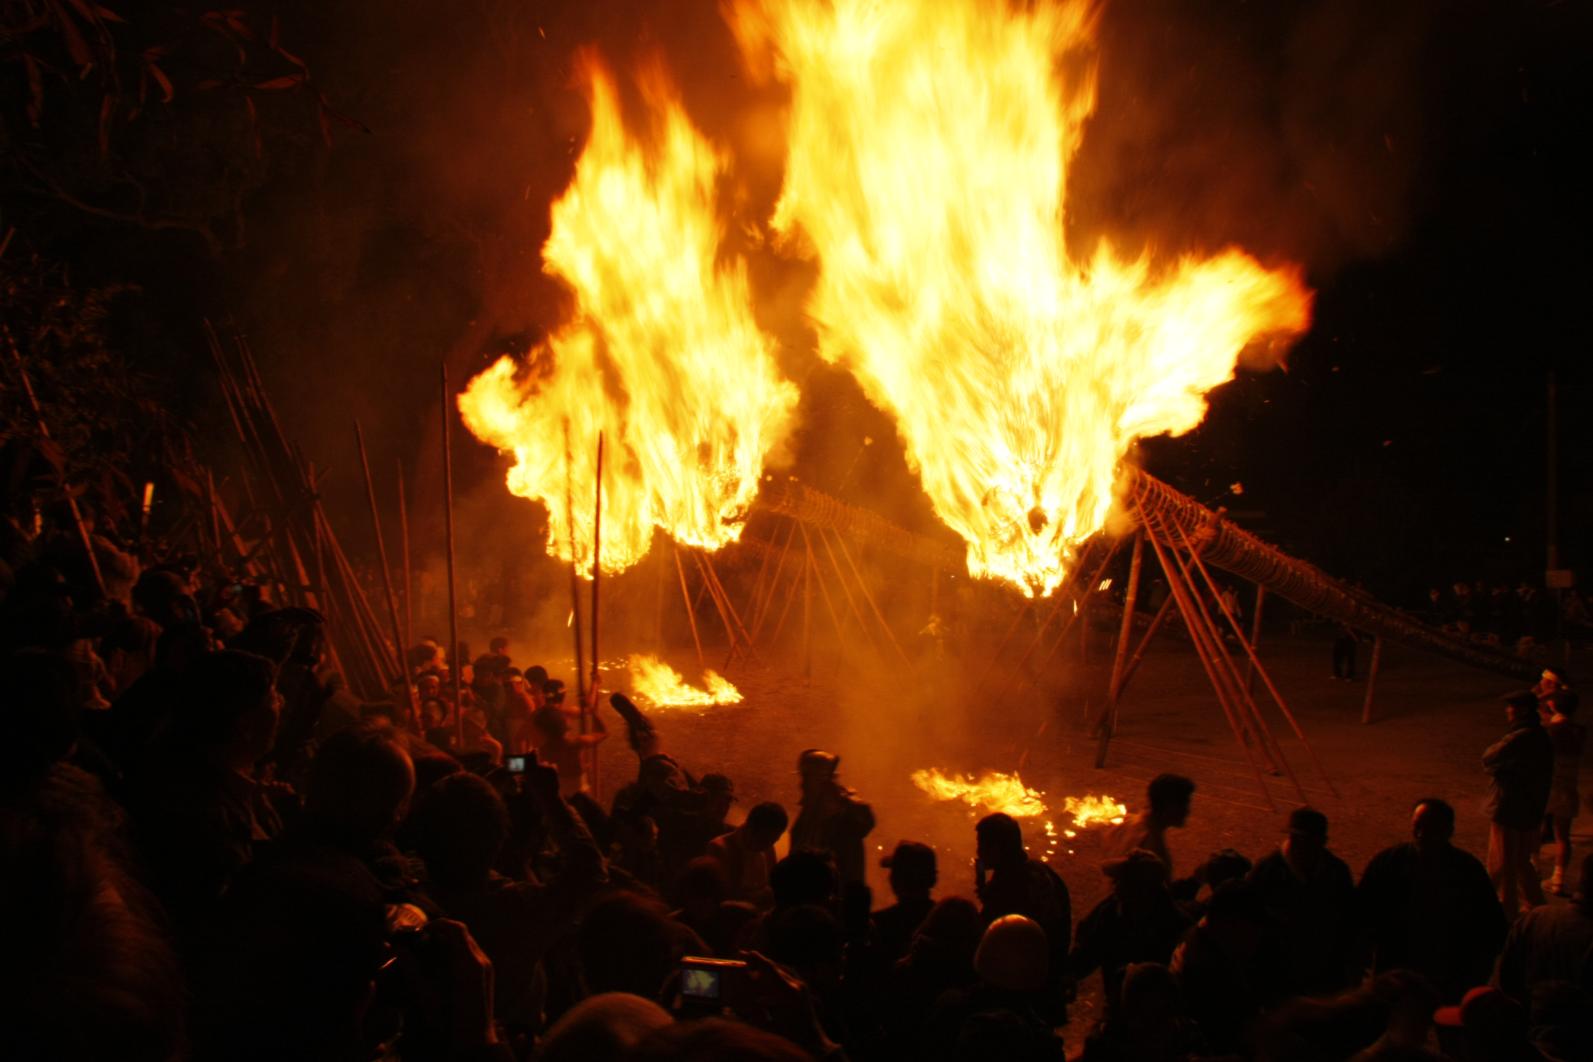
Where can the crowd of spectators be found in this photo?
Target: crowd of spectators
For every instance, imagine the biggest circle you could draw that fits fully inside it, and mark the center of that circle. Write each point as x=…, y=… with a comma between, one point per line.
x=212, y=851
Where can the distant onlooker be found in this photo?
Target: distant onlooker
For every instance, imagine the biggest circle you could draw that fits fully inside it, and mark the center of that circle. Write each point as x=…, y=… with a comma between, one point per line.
x=1569, y=738
x=1521, y=766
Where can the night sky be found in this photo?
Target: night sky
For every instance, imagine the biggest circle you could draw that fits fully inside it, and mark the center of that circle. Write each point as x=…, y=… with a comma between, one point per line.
x=1423, y=164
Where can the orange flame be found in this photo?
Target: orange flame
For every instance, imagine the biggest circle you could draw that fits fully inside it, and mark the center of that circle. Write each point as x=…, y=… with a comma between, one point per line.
x=991, y=792
x=662, y=354
x=657, y=682
x=1093, y=810
x=929, y=146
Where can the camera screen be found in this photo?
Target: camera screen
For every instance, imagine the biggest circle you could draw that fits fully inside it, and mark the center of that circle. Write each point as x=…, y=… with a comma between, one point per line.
x=516, y=764
x=703, y=984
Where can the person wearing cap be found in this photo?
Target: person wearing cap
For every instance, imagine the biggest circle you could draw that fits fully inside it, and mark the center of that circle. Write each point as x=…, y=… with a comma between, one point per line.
x=1138, y=922
x=1521, y=768
x=1550, y=943
x=912, y=878
x=1309, y=895
x=1569, y=739
x=1429, y=906
x=1221, y=966
x=832, y=818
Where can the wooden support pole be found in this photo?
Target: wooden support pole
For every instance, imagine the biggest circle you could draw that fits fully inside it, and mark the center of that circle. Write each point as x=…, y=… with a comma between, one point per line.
x=1255, y=637
x=387, y=581
x=456, y=666
x=807, y=611
x=1107, y=723
x=879, y=616
x=1186, y=609
x=590, y=706
x=575, y=574
x=691, y=613
x=1371, y=680
x=1261, y=670
x=409, y=583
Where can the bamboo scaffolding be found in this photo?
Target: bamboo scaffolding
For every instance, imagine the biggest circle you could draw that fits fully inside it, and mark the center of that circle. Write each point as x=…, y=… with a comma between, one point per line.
x=402, y=671
x=455, y=666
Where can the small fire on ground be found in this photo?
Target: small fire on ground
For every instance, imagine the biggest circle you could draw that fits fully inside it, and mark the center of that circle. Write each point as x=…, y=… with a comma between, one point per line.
x=994, y=791
x=659, y=684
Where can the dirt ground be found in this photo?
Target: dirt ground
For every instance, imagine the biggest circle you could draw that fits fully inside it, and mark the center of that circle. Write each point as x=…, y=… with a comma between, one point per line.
x=1432, y=719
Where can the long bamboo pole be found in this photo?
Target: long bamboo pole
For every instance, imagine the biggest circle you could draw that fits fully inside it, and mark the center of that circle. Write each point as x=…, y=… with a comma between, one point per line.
x=456, y=666
x=44, y=433
x=387, y=581
x=575, y=572
x=409, y=585
x=1176, y=588
x=1255, y=660
x=1107, y=723
x=597, y=571
x=1255, y=636
x=691, y=613
x=1371, y=680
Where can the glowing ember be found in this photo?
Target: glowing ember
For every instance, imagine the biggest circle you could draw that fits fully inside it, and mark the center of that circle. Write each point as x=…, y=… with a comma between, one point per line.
x=929, y=146
x=992, y=791
x=656, y=682
x=661, y=354
x=1093, y=810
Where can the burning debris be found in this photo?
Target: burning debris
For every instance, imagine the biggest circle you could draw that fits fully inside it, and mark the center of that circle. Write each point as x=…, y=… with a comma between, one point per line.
x=991, y=792
x=662, y=686
x=994, y=791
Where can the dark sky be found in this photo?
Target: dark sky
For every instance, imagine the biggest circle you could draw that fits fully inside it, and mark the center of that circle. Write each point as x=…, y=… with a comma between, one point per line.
x=1422, y=160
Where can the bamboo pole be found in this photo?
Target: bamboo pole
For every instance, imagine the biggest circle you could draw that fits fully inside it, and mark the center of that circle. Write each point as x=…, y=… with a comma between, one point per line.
x=1230, y=671
x=387, y=581
x=456, y=666
x=807, y=610
x=1371, y=680
x=575, y=573
x=1176, y=588
x=44, y=433
x=1107, y=722
x=587, y=707
x=862, y=586
x=1266, y=679
x=409, y=585
x=691, y=613
x=1255, y=636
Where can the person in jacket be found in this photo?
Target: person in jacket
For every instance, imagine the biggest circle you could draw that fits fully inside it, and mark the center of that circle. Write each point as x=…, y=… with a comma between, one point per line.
x=1521, y=768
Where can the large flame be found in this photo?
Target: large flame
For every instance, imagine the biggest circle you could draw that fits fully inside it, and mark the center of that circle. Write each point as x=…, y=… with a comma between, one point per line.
x=661, y=355
x=661, y=685
x=929, y=145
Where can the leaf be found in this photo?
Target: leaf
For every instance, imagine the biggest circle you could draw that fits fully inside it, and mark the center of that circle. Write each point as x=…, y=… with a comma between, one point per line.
x=276, y=84
x=160, y=78
x=76, y=46
x=254, y=126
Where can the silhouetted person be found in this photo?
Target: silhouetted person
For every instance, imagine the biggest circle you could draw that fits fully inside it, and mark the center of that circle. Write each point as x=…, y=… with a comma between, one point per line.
x=458, y=827
x=746, y=854
x=1309, y=896
x=1220, y=968
x=1569, y=738
x=1139, y=922
x=1487, y=1026
x=1430, y=907
x=1148, y=1025
x=198, y=808
x=1550, y=943
x=1008, y=882
x=1005, y=1015
x=1168, y=799
x=832, y=818
x=1521, y=766
x=912, y=878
